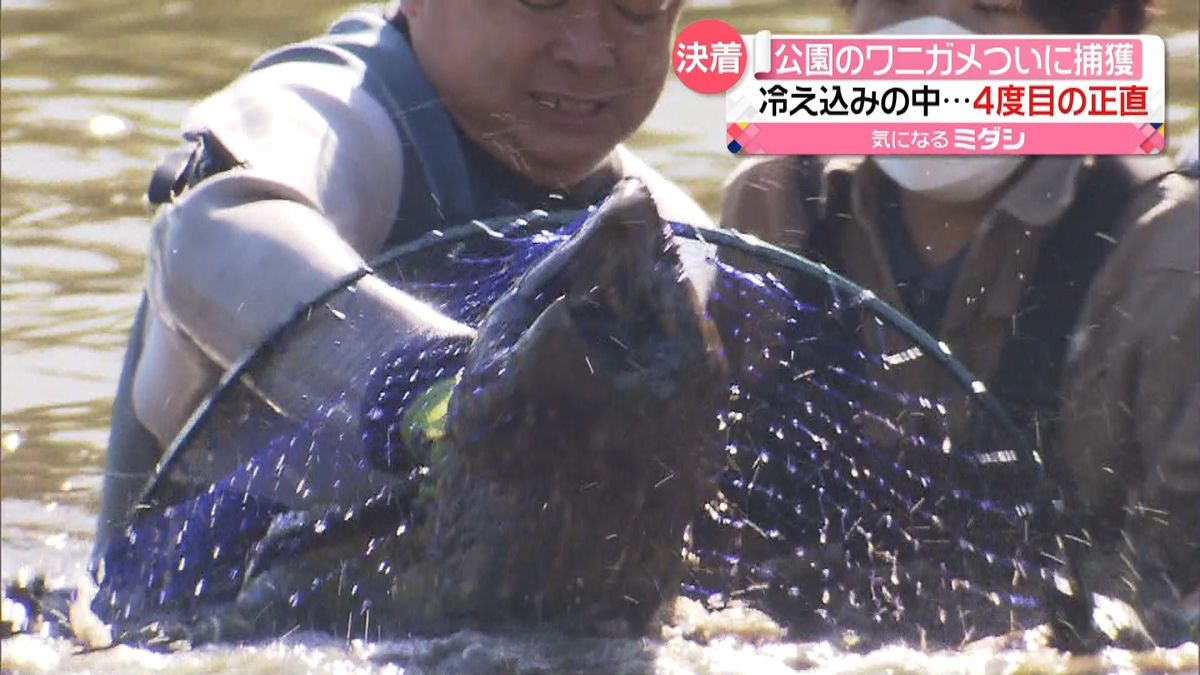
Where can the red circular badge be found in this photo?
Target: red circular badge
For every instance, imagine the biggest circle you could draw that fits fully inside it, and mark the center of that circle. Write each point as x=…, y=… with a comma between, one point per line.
x=709, y=56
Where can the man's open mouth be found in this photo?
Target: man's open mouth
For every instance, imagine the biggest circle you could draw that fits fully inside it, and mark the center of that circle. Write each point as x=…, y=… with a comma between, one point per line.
x=566, y=104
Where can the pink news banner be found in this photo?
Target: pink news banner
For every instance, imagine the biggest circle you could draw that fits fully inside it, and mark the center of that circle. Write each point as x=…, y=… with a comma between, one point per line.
x=930, y=94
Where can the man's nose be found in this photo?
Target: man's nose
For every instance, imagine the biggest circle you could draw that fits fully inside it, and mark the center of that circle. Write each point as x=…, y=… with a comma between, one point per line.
x=585, y=41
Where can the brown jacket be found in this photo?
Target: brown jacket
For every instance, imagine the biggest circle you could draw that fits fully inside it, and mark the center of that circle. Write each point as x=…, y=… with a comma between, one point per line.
x=1129, y=432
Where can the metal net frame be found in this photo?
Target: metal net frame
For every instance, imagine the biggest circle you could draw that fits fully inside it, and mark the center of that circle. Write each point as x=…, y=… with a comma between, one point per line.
x=847, y=505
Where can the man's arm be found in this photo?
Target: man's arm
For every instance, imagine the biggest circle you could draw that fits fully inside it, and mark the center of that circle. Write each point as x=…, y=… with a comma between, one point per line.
x=314, y=191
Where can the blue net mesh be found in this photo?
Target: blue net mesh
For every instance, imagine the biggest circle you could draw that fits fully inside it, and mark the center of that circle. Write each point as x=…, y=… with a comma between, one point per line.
x=866, y=484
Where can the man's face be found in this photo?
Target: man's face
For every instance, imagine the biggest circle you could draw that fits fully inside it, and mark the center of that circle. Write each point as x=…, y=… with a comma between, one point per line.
x=549, y=90
x=979, y=16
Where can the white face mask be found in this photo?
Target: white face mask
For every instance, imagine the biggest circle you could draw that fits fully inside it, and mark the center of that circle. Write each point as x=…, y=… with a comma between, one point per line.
x=952, y=179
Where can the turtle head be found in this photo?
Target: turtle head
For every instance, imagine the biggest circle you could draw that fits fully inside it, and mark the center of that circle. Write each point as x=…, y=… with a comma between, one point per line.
x=608, y=320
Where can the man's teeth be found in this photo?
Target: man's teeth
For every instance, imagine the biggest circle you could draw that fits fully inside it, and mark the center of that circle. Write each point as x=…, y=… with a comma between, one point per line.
x=572, y=106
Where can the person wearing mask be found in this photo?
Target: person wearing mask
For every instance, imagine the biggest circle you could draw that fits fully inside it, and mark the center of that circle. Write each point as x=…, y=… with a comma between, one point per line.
x=1066, y=284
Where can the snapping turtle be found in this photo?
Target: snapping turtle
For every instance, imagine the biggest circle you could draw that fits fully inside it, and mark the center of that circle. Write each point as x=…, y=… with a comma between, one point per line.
x=584, y=428
x=578, y=441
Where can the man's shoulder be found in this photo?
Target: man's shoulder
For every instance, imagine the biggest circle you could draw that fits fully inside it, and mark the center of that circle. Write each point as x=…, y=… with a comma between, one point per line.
x=1156, y=238
x=1164, y=223
x=306, y=126
x=1161, y=198
x=354, y=41
x=772, y=196
x=786, y=177
x=326, y=74
x=750, y=172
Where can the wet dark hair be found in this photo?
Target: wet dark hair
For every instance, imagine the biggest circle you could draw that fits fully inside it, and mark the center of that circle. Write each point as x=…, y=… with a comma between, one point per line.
x=1080, y=16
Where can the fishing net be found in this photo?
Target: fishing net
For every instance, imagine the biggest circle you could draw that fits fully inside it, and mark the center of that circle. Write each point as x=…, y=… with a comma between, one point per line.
x=870, y=486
